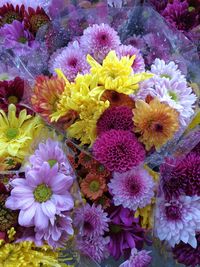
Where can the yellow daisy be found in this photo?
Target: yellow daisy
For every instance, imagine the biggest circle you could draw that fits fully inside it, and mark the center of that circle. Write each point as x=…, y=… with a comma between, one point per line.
x=17, y=133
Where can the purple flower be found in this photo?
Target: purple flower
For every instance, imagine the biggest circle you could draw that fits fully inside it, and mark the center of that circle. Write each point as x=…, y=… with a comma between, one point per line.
x=28, y=3
x=159, y=5
x=128, y=50
x=178, y=220
x=92, y=219
x=137, y=259
x=126, y=229
x=51, y=151
x=40, y=196
x=133, y=189
x=118, y=150
x=117, y=118
x=186, y=254
x=95, y=247
x=58, y=231
x=71, y=60
x=16, y=37
x=99, y=40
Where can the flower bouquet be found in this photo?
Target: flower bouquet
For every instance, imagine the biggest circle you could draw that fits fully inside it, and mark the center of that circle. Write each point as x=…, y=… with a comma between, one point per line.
x=122, y=94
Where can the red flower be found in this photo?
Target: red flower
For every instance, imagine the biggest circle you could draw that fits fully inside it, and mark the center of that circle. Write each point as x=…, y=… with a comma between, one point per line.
x=9, y=13
x=34, y=19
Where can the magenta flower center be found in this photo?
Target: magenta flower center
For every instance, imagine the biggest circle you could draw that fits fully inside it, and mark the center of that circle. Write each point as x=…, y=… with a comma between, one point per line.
x=173, y=212
x=103, y=39
x=73, y=62
x=134, y=186
x=42, y=193
x=88, y=226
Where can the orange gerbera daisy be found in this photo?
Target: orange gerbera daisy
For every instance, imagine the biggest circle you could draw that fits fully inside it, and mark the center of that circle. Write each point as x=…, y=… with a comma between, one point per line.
x=93, y=186
x=156, y=122
x=117, y=99
x=46, y=93
x=85, y=160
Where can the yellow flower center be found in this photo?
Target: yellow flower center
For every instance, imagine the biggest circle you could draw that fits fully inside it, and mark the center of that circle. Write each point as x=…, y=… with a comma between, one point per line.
x=12, y=99
x=94, y=186
x=12, y=133
x=42, y=193
x=165, y=76
x=52, y=162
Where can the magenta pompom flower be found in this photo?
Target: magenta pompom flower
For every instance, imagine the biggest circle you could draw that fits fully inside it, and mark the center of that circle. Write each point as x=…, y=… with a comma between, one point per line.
x=129, y=50
x=71, y=61
x=117, y=118
x=51, y=152
x=133, y=189
x=99, y=40
x=118, y=150
x=40, y=196
x=137, y=259
x=16, y=37
x=92, y=219
x=95, y=247
x=178, y=220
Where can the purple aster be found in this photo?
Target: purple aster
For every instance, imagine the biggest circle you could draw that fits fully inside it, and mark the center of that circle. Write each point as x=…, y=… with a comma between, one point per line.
x=178, y=220
x=95, y=248
x=133, y=189
x=71, y=61
x=136, y=41
x=128, y=50
x=118, y=150
x=92, y=219
x=180, y=15
x=186, y=254
x=184, y=174
x=51, y=151
x=40, y=196
x=16, y=37
x=117, y=118
x=58, y=231
x=124, y=227
x=99, y=40
x=137, y=259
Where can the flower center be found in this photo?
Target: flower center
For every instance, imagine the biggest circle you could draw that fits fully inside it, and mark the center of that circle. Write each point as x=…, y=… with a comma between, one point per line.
x=115, y=228
x=73, y=62
x=134, y=187
x=191, y=8
x=101, y=168
x=42, y=193
x=94, y=186
x=52, y=162
x=12, y=133
x=88, y=226
x=165, y=76
x=4, y=76
x=173, y=95
x=10, y=16
x=22, y=40
x=38, y=21
x=158, y=127
x=12, y=99
x=173, y=212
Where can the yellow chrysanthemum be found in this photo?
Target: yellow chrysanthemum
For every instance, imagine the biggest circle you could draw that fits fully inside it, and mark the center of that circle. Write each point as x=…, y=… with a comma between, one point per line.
x=156, y=122
x=146, y=213
x=77, y=97
x=17, y=133
x=116, y=74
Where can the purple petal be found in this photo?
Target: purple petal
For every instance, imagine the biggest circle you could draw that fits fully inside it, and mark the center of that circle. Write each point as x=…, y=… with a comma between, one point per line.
x=26, y=216
x=49, y=209
x=64, y=202
x=41, y=220
x=60, y=183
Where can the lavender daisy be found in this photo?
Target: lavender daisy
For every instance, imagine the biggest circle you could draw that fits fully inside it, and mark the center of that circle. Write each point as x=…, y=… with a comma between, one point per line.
x=133, y=189
x=71, y=60
x=178, y=220
x=16, y=37
x=95, y=247
x=99, y=40
x=128, y=50
x=137, y=259
x=93, y=219
x=40, y=196
x=51, y=151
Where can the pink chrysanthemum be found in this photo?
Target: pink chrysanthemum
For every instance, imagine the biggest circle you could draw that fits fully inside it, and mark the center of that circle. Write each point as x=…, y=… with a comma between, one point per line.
x=129, y=50
x=51, y=151
x=71, y=61
x=96, y=247
x=92, y=219
x=137, y=259
x=118, y=150
x=117, y=118
x=40, y=196
x=178, y=220
x=133, y=189
x=99, y=40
